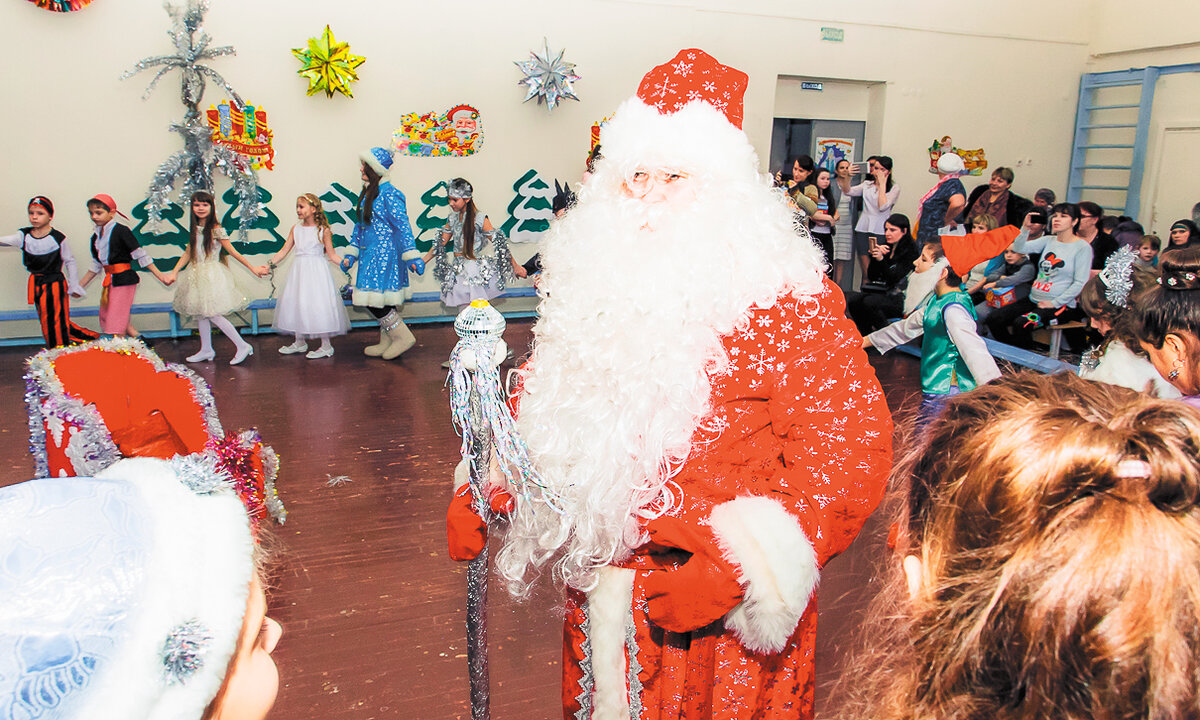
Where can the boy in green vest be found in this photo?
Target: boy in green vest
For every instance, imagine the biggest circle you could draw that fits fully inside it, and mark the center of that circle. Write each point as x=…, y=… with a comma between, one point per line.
x=954, y=358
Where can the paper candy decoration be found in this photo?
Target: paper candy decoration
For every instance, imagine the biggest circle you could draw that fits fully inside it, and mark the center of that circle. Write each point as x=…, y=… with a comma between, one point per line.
x=547, y=76
x=458, y=132
x=974, y=160
x=244, y=132
x=61, y=5
x=328, y=65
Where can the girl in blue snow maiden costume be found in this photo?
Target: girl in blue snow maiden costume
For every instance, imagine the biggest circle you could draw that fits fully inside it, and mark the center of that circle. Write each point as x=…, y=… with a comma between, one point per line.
x=382, y=244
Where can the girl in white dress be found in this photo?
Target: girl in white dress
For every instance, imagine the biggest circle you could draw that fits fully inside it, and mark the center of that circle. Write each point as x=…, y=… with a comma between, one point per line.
x=310, y=305
x=466, y=273
x=208, y=290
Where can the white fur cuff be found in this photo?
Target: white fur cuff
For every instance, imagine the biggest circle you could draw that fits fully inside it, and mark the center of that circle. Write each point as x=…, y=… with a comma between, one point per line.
x=408, y=255
x=778, y=569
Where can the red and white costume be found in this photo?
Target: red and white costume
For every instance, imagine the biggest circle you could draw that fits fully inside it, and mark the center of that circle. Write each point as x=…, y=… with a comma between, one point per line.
x=791, y=461
x=707, y=424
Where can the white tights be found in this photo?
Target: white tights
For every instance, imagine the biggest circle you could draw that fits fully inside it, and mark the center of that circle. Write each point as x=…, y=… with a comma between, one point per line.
x=300, y=340
x=204, y=330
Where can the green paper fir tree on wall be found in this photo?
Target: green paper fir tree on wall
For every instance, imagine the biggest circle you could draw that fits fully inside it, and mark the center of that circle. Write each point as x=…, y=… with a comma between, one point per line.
x=266, y=220
x=428, y=224
x=175, y=235
x=341, y=210
x=531, y=211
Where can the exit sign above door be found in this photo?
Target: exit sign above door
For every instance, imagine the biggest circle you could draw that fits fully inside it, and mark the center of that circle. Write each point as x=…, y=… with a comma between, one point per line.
x=833, y=34
x=812, y=86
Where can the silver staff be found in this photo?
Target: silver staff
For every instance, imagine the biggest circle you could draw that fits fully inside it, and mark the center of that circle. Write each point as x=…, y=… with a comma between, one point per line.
x=479, y=350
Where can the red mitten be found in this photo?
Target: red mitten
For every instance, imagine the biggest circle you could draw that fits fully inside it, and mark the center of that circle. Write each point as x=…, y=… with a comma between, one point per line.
x=466, y=532
x=701, y=590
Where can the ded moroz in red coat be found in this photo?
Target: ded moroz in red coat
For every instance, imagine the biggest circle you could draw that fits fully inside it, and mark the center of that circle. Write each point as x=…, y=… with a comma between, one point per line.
x=785, y=469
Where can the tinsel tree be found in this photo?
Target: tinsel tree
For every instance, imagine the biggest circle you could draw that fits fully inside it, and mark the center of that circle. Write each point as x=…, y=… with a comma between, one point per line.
x=201, y=158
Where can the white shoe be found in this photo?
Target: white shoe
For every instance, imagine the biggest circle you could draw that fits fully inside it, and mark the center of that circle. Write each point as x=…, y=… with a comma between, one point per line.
x=296, y=347
x=320, y=353
x=242, y=354
x=202, y=356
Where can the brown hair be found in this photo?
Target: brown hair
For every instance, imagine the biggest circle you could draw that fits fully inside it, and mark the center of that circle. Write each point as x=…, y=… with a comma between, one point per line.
x=315, y=203
x=1005, y=174
x=207, y=229
x=1151, y=240
x=1093, y=300
x=366, y=201
x=1057, y=526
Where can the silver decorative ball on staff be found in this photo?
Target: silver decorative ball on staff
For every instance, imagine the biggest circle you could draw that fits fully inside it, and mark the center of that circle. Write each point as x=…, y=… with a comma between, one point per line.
x=480, y=349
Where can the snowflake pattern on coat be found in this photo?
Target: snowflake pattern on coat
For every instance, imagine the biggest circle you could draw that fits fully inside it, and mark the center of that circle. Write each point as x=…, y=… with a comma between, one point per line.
x=798, y=416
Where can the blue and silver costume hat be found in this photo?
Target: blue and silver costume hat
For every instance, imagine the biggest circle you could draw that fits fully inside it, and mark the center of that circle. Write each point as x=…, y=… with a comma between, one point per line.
x=123, y=594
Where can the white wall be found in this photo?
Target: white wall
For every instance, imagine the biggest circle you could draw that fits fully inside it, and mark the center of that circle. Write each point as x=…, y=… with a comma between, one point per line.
x=988, y=77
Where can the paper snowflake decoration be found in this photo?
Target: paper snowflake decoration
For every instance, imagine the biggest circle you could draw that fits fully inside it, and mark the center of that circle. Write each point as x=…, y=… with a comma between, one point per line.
x=328, y=65
x=548, y=77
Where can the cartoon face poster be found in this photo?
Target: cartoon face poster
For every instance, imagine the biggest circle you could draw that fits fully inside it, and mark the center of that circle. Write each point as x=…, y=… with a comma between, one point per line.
x=458, y=132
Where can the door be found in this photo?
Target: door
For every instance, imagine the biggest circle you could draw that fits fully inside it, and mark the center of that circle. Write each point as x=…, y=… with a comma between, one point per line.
x=1175, y=190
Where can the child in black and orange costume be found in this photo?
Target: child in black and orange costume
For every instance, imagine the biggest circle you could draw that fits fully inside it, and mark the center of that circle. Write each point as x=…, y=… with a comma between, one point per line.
x=52, y=274
x=114, y=250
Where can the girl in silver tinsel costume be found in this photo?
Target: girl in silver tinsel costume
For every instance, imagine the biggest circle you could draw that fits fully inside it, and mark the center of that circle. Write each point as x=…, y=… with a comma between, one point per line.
x=465, y=273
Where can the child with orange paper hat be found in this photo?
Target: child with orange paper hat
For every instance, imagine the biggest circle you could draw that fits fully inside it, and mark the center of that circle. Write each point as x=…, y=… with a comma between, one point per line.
x=953, y=357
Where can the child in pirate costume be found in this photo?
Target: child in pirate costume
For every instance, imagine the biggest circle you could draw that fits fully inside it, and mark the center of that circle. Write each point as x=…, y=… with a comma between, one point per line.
x=52, y=274
x=465, y=274
x=384, y=248
x=114, y=248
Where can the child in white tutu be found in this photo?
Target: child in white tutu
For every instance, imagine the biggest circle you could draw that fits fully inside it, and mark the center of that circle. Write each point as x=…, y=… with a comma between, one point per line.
x=310, y=305
x=208, y=290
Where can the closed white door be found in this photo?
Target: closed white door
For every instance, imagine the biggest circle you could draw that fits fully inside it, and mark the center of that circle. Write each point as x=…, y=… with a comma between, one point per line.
x=1177, y=186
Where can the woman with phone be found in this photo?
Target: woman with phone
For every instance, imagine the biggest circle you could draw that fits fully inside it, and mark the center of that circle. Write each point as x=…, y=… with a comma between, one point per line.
x=879, y=194
x=881, y=298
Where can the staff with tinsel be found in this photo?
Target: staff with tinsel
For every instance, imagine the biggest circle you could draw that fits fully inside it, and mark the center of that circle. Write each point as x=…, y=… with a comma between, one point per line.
x=489, y=440
x=200, y=158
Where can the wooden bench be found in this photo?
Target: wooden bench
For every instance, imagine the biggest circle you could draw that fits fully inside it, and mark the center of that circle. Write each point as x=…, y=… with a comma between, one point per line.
x=249, y=322
x=1052, y=335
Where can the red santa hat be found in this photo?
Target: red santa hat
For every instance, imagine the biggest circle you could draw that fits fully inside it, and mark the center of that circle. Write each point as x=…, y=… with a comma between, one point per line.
x=687, y=114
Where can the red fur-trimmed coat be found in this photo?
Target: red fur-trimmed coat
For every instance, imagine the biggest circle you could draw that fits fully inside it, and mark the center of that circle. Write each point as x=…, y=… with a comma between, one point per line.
x=785, y=470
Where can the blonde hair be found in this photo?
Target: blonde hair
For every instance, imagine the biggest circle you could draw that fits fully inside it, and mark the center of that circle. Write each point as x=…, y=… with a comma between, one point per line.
x=315, y=203
x=1056, y=522
x=987, y=221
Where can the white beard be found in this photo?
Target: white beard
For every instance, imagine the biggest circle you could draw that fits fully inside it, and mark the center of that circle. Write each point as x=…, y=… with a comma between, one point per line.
x=631, y=324
x=921, y=285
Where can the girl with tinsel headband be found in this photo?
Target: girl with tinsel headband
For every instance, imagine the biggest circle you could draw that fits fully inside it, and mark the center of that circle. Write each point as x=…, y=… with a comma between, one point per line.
x=209, y=291
x=465, y=273
x=52, y=274
x=310, y=305
x=1110, y=300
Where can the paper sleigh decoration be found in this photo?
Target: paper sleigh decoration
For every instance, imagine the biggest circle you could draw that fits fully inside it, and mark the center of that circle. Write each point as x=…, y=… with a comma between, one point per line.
x=244, y=131
x=458, y=132
x=91, y=405
x=974, y=160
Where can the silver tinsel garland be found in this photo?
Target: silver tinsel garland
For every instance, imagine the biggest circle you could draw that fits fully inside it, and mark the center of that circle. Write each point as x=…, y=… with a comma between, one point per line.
x=200, y=158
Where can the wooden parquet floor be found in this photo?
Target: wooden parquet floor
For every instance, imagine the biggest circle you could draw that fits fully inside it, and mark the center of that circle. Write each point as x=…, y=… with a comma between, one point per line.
x=372, y=607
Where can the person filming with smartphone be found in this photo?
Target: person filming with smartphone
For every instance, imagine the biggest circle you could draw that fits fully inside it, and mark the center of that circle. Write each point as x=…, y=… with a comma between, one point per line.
x=879, y=194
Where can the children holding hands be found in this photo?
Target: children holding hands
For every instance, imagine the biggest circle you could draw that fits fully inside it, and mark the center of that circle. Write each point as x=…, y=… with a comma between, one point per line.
x=208, y=290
